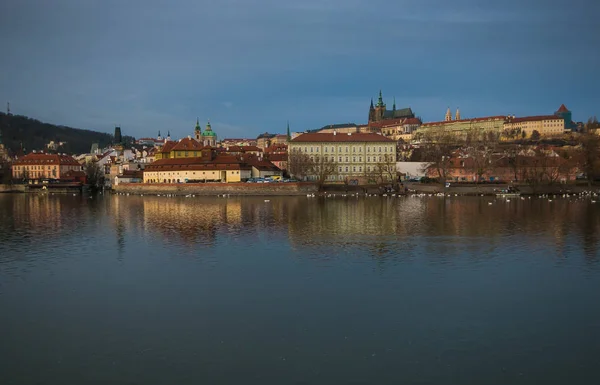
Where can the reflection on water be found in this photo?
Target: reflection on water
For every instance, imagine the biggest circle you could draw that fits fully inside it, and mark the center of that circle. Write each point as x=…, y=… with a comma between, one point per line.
x=129, y=289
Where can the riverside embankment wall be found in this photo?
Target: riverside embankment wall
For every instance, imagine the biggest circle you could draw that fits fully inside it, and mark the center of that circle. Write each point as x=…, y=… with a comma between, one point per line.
x=217, y=188
x=7, y=188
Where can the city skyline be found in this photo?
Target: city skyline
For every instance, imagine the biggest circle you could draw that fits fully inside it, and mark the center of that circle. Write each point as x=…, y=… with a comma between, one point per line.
x=251, y=66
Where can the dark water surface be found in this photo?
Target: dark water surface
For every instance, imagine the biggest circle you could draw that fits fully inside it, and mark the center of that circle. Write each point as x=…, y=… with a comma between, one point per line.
x=157, y=290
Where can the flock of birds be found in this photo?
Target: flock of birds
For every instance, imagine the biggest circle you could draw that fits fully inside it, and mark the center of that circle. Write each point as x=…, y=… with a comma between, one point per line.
x=585, y=195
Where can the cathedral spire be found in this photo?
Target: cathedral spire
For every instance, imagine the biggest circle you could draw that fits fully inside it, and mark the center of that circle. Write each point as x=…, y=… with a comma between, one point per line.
x=457, y=117
x=380, y=100
x=371, y=103
x=289, y=136
x=394, y=106
x=197, y=124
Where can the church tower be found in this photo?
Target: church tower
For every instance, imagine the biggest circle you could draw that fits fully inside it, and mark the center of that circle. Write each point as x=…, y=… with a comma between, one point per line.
x=379, y=108
x=198, y=131
x=448, y=115
x=457, y=117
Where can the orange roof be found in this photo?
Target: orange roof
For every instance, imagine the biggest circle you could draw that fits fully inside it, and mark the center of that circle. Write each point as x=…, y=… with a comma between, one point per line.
x=484, y=119
x=534, y=118
x=43, y=159
x=340, y=137
x=168, y=146
x=187, y=144
x=219, y=163
x=562, y=108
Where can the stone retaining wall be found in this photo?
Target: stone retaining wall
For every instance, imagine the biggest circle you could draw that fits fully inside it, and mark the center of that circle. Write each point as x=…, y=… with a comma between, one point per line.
x=217, y=188
x=7, y=188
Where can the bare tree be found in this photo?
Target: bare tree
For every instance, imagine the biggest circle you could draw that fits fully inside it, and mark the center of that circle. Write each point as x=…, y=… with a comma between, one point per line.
x=299, y=164
x=590, y=155
x=591, y=125
x=322, y=168
x=438, y=148
x=479, y=147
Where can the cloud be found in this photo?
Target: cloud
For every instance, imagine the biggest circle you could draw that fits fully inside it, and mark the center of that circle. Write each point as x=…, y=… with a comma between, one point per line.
x=158, y=64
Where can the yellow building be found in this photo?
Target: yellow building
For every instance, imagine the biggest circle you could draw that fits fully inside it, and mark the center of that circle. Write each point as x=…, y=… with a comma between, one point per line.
x=356, y=154
x=546, y=125
x=184, y=148
x=403, y=129
x=44, y=166
x=489, y=123
x=207, y=168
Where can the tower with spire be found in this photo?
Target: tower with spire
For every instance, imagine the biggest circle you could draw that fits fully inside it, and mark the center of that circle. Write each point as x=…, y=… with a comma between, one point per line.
x=457, y=116
x=198, y=131
x=289, y=135
x=448, y=115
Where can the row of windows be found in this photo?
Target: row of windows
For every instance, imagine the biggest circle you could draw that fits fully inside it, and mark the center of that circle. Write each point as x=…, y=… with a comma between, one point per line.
x=347, y=149
x=354, y=159
x=35, y=167
x=359, y=169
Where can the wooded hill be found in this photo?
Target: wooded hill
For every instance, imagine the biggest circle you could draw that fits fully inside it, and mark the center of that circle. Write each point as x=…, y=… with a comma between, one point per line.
x=32, y=134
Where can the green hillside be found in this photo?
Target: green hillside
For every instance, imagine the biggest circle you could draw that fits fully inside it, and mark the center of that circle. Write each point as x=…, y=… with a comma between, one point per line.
x=34, y=135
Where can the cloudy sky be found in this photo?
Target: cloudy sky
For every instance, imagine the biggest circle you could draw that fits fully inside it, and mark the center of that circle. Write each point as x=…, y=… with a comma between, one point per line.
x=251, y=65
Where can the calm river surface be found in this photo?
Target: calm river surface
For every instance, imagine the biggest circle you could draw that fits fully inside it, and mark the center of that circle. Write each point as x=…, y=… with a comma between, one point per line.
x=156, y=290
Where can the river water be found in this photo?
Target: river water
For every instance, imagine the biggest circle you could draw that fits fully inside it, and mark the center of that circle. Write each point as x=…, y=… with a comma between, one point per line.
x=297, y=290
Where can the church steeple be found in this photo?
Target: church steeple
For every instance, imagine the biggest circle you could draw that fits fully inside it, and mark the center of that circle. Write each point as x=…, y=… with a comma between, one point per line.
x=457, y=117
x=198, y=131
x=289, y=136
x=372, y=103
x=380, y=100
x=448, y=115
x=394, y=106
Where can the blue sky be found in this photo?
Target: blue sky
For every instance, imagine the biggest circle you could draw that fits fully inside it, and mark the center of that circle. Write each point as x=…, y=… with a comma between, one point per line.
x=249, y=66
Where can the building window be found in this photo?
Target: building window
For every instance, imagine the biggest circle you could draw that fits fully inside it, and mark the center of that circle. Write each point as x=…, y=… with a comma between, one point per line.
x=353, y=159
x=346, y=168
x=346, y=148
x=346, y=159
x=340, y=159
x=353, y=169
x=325, y=148
x=340, y=169
x=353, y=149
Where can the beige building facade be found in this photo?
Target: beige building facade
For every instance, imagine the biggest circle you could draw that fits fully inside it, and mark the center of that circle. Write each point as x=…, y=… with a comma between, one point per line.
x=356, y=154
x=44, y=166
x=546, y=125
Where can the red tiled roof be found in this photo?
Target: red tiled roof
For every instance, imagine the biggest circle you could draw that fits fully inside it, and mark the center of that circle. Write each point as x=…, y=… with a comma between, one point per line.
x=168, y=146
x=484, y=119
x=340, y=137
x=42, y=159
x=534, y=118
x=386, y=122
x=278, y=157
x=219, y=163
x=187, y=144
x=562, y=108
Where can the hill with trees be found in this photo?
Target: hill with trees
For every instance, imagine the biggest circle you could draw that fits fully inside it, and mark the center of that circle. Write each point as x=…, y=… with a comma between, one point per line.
x=30, y=134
